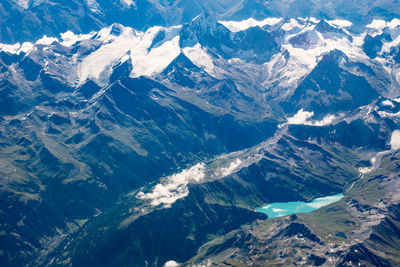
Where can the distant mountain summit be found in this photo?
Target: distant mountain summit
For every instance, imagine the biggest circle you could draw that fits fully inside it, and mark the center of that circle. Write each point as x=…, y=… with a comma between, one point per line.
x=52, y=17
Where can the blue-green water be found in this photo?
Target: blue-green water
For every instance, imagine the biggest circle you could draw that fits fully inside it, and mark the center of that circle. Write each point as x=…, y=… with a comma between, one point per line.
x=282, y=209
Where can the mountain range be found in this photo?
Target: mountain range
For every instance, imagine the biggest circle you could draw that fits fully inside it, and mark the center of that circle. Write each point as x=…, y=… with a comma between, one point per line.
x=148, y=133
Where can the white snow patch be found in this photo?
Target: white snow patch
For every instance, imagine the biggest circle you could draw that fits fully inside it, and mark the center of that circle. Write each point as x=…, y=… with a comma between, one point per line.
x=198, y=55
x=129, y=3
x=25, y=47
x=377, y=24
x=46, y=40
x=156, y=60
x=292, y=24
x=341, y=23
x=175, y=186
x=385, y=114
x=16, y=48
x=395, y=23
x=365, y=170
x=145, y=61
x=171, y=264
x=12, y=49
x=69, y=38
x=233, y=166
x=22, y=3
x=237, y=26
x=388, y=103
x=102, y=60
x=303, y=61
x=313, y=20
x=395, y=140
x=93, y=5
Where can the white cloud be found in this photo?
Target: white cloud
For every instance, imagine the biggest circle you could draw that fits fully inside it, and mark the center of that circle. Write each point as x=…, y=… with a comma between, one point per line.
x=174, y=187
x=171, y=264
x=395, y=140
x=233, y=166
x=328, y=119
x=69, y=38
x=300, y=117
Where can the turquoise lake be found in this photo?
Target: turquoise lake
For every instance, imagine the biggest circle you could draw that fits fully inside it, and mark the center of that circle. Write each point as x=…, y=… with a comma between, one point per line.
x=283, y=209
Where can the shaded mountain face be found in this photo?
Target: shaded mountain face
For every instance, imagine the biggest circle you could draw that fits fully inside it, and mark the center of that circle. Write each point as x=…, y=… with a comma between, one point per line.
x=324, y=93
x=162, y=143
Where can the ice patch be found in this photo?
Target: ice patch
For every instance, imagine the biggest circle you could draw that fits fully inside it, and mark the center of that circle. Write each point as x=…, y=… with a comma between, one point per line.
x=225, y=171
x=174, y=187
x=237, y=26
x=395, y=140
